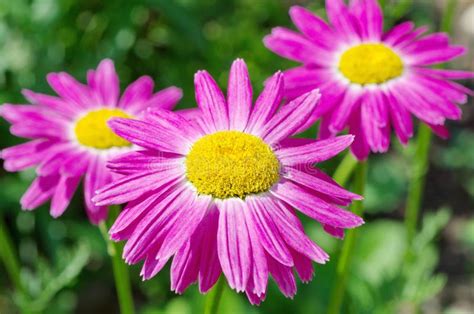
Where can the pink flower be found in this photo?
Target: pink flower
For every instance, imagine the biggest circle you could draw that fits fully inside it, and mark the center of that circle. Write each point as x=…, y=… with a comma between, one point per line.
x=219, y=192
x=370, y=81
x=69, y=137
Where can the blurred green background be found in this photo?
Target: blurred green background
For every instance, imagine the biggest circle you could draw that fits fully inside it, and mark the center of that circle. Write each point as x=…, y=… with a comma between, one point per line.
x=64, y=261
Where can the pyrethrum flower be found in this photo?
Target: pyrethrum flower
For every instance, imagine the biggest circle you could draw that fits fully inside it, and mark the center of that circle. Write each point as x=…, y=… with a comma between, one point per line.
x=69, y=137
x=219, y=192
x=370, y=81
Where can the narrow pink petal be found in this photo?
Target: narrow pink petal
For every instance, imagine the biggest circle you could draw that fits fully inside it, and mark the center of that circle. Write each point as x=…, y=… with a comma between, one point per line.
x=96, y=177
x=445, y=74
x=166, y=98
x=55, y=103
x=401, y=120
x=440, y=130
x=314, y=152
x=40, y=190
x=53, y=161
x=334, y=231
x=314, y=207
x=142, y=161
x=151, y=136
x=289, y=119
x=29, y=114
x=359, y=148
x=291, y=45
x=185, y=266
x=312, y=26
x=419, y=108
x=259, y=274
x=76, y=164
x=130, y=187
x=209, y=266
x=430, y=42
x=233, y=243
x=267, y=103
x=374, y=121
x=341, y=114
x=63, y=194
x=179, y=233
x=370, y=17
x=137, y=94
x=342, y=20
x=135, y=211
x=283, y=276
x=211, y=101
x=319, y=185
x=303, y=79
x=23, y=156
x=239, y=95
x=179, y=125
x=304, y=266
x=268, y=233
x=107, y=83
x=397, y=32
x=435, y=56
x=153, y=227
x=292, y=230
x=70, y=90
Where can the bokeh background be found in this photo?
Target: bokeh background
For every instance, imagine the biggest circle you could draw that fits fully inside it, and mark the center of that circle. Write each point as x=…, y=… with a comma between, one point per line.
x=64, y=261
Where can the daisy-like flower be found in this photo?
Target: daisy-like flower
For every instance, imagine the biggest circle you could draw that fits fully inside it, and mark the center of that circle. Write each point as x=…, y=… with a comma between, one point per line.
x=219, y=192
x=69, y=136
x=370, y=81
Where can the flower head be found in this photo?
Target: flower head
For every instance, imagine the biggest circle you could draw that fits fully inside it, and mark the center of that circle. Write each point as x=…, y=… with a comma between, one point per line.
x=370, y=81
x=69, y=136
x=219, y=191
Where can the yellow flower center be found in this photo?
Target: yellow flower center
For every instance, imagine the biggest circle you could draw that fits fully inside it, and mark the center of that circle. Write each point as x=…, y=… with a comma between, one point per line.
x=231, y=164
x=92, y=130
x=370, y=64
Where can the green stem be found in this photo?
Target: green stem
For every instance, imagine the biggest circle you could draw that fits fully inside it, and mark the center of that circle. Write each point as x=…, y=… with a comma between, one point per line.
x=214, y=297
x=423, y=144
x=344, y=170
x=9, y=258
x=120, y=269
x=344, y=261
x=417, y=181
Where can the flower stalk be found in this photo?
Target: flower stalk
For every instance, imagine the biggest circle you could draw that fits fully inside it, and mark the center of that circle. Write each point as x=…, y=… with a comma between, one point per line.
x=423, y=144
x=120, y=269
x=9, y=257
x=345, y=256
x=214, y=297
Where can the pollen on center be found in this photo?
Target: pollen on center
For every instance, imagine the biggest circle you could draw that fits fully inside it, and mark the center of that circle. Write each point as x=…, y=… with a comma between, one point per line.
x=229, y=164
x=370, y=64
x=92, y=130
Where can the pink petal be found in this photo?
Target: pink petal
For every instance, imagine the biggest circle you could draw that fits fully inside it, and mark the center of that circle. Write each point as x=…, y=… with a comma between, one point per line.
x=312, y=26
x=211, y=101
x=233, y=243
x=239, y=95
x=314, y=207
x=319, y=185
x=40, y=190
x=290, y=117
x=130, y=187
x=291, y=45
x=314, y=152
x=106, y=83
x=63, y=195
x=267, y=103
x=137, y=94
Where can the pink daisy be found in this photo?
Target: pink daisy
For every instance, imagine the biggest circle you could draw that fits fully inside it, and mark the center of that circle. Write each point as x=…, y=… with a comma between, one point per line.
x=370, y=81
x=69, y=137
x=219, y=193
